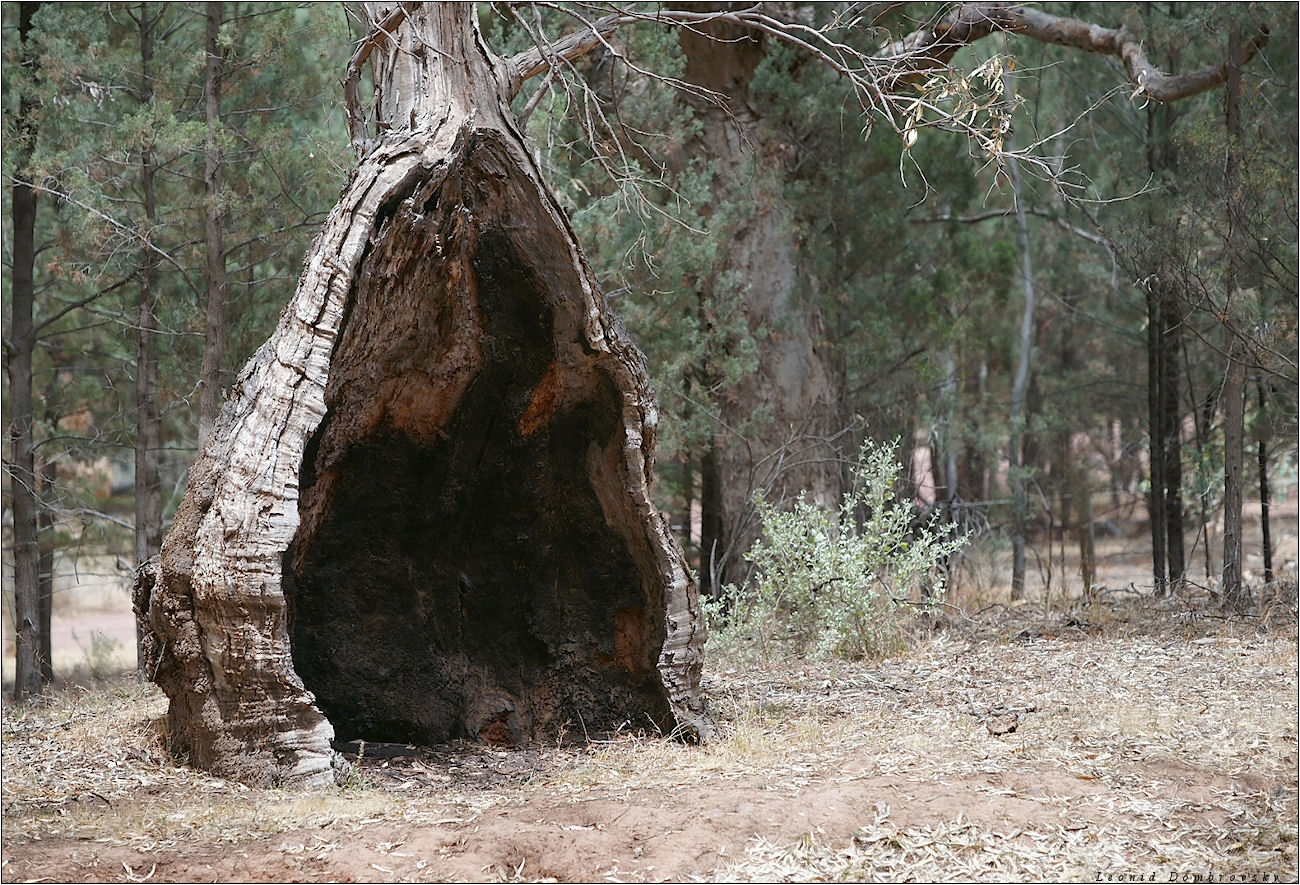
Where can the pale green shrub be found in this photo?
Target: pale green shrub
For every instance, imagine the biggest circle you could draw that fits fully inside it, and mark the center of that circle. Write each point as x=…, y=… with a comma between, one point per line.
x=831, y=582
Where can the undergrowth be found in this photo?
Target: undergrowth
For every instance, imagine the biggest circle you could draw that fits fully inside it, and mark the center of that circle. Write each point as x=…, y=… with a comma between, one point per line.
x=832, y=581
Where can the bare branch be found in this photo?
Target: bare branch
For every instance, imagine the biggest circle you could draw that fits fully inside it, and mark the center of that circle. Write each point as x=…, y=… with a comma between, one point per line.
x=536, y=99
x=126, y=231
x=82, y=302
x=589, y=108
x=379, y=34
x=875, y=78
x=541, y=58
x=1094, y=238
x=931, y=48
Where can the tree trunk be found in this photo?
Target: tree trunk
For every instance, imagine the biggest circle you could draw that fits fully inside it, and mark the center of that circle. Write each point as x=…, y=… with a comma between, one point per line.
x=1086, y=535
x=1261, y=442
x=950, y=396
x=1164, y=334
x=1172, y=426
x=425, y=511
x=1020, y=385
x=778, y=422
x=148, y=422
x=45, y=573
x=1235, y=593
x=22, y=338
x=712, y=538
x=950, y=443
x=1076, y=481
x=1164, y=346
x=1157, y=437
x=214, y=345
x=1204, y=417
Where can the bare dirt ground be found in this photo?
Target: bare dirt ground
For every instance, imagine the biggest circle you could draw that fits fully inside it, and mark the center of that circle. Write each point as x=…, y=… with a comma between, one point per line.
x=1054, y=741
x=1150, y=739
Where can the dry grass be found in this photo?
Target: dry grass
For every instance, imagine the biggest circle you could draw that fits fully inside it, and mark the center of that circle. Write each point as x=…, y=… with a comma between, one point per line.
x=91, y=766
x=1168, y=751
x=1214, y=719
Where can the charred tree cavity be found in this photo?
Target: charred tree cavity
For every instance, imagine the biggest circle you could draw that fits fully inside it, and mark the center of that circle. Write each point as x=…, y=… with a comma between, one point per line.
x=456, y=573
x=424, y=511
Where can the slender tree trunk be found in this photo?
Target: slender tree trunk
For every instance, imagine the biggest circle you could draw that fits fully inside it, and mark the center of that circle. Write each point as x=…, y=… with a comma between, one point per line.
x=435, y=475
x=1261, y=443
x=1164, y=334
x=951, y=449
x=45, y=545
x=712, y=540
x=685, y=516
x=1020, y=385
x=148, y=440
x=1173, y=448
x=1235, y=593
x=1171, y=424
x=1204, y=420
x=215, y=317
x=1164, y=346
x=1158, y=437
x=1086, y=536
x=22, y=468
x=950, y=439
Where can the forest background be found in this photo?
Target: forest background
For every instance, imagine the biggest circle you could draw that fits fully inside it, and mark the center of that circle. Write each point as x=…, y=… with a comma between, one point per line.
x=1073, y=320
x=1098, y=338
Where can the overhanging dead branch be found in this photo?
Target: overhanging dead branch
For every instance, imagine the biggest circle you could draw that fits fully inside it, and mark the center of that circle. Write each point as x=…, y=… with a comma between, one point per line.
x=884, y=81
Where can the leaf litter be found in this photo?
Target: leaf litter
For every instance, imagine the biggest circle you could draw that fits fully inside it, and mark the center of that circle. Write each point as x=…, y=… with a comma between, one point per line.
x=1166, y=751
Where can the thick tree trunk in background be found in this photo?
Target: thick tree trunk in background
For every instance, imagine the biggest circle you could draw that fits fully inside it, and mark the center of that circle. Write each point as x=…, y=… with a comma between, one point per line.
x=148, y=421
x=21, y=407
x=425, y=511
x=778, y=422
x=214, y=344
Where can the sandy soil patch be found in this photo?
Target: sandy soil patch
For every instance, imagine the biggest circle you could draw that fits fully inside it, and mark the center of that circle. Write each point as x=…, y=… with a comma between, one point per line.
x=1042, y=747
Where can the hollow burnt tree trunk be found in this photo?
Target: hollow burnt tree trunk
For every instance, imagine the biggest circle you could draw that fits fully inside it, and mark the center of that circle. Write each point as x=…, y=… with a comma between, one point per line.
x=424, y=511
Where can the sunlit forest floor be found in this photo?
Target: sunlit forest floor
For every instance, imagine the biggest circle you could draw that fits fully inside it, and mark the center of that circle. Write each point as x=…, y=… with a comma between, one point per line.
x=1049, y=741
